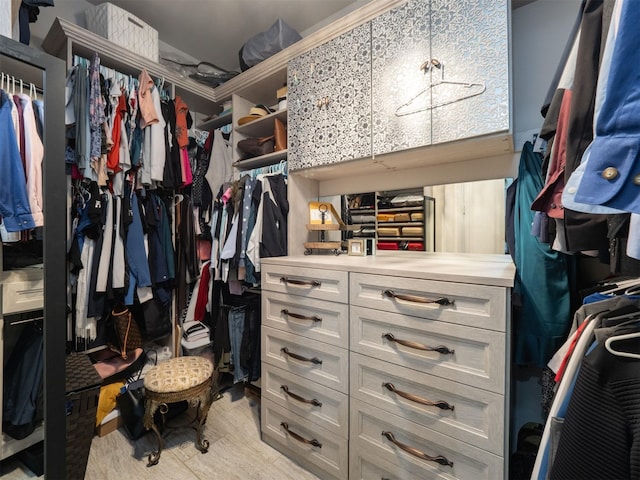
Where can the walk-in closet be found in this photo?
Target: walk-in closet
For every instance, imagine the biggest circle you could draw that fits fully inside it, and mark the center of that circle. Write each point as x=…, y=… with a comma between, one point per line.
x=320, y=240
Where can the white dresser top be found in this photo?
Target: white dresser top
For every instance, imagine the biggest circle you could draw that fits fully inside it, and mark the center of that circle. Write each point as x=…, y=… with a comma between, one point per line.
x=483, y=269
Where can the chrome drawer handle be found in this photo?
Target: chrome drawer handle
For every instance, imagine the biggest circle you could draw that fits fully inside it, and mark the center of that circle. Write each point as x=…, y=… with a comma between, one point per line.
x=443, y=301
x=314, y=360
x=302, y=283
x=299, y=316
x=419, y=346
x=313, y=401
x=441, y=404
x=417, y=453
x=300, y=438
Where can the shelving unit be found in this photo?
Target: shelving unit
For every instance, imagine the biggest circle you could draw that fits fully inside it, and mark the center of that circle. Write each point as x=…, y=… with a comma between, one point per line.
x=402, y=216
x=260, y=127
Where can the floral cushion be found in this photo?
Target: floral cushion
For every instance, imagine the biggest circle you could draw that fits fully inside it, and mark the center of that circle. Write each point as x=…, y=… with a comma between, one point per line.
x=178, y=374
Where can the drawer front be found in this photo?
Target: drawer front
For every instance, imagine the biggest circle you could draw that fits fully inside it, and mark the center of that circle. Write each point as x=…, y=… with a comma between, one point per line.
x=323, y=363
x=328, y=457
x=478, y=357
x=323, y=406
x=317, y=283
x=22, y=295
x=473, y=305
x=468, y=461
x=317, y=319
x=469, y=414
x=365, y=466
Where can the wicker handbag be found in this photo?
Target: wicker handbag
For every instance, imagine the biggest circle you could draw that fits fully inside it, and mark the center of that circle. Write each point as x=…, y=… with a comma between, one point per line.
x=125, y=332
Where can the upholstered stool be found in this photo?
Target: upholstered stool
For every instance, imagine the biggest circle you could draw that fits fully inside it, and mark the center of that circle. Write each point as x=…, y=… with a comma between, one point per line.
x=178, y=379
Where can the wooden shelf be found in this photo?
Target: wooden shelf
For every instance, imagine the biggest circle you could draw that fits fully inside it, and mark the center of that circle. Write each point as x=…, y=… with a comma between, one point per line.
x=257, y=127
x=261, y=161
x=412, y=208
x=216, y=122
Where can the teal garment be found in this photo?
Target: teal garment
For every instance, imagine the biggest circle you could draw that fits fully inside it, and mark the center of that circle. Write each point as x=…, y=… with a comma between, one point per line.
x=542, y=313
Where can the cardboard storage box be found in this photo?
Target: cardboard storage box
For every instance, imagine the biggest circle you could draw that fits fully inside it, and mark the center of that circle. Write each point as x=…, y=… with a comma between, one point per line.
x=122, y=28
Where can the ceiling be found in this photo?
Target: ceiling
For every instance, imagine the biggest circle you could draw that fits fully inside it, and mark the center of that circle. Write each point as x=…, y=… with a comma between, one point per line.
x=215, y=30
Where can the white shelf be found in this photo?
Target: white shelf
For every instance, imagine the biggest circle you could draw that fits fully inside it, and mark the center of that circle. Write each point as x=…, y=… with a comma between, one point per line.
x=216, y=122
x=11, y=446
x=261, y=161
x=257, y=127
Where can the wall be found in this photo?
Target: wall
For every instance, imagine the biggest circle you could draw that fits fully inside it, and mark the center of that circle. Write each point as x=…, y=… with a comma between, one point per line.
x=5, y=18
x=540, y=31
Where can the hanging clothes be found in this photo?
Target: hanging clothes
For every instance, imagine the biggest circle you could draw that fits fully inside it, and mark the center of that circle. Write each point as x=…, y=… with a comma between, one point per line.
x=542, y=313
x=14, y=202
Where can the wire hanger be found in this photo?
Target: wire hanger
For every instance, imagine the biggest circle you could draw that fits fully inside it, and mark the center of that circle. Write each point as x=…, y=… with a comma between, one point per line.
x=452, y=91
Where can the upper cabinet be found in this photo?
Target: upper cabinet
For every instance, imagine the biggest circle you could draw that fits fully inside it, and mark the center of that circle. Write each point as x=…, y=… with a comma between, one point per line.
x=421, y=74
x=329, y=101
x=400, y=96
x=470, y=90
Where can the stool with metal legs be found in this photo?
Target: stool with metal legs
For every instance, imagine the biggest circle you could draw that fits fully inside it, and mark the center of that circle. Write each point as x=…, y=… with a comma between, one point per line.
x=178, y=379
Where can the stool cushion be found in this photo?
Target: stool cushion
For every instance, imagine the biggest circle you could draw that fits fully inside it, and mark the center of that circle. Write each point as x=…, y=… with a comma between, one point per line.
x=178, y=374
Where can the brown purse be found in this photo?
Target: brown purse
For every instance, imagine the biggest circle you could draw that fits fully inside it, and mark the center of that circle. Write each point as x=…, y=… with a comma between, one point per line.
x=255, y=147
x=126, y=334
x=280, y=133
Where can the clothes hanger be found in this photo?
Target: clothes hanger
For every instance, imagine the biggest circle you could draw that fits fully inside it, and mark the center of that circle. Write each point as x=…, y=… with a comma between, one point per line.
x=461, y=91
x=616, y=338
x=621, y=287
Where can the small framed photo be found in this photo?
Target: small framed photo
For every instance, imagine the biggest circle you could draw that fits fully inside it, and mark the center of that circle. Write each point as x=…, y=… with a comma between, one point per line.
x=356, y=247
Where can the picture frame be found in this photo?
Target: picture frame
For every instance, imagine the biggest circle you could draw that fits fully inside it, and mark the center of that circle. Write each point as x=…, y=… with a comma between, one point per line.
x=356, y=247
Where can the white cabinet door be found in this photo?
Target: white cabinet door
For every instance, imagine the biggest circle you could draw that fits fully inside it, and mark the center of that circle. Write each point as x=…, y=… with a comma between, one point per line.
x=401, y=97
x=329, y=101
x=470, y=90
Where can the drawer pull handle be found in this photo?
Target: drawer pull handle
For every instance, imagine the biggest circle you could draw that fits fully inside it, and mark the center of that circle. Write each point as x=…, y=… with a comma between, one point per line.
x=300, y=438
x=313, y=401
x=419, y=346
x=417, y=453
x=441, y=404
x=302, y=283
x=416, y=299
x=314, y=360
x=299, y=316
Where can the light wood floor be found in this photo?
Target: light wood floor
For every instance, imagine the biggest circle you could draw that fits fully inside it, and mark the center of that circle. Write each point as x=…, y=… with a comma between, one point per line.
x=235, y=452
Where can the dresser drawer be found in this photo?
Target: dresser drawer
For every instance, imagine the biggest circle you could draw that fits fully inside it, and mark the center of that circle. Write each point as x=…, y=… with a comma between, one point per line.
x=317, y=319
x=477, y=358
x=473, y=305
x=312, y=401
x=291, y=434
x=365, y=466
x=468, y=462
x=469, y=414
x=317, y=283
x=22, y=290
x=317, y=361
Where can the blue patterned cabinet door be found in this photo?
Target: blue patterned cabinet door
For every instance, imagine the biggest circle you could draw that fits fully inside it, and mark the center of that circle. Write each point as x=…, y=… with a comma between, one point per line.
x=470, y=92
x=401, y=94
x=329, y=101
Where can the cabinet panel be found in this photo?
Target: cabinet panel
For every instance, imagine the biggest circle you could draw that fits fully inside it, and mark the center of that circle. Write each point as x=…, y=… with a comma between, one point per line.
x=329, y=458
x=475, y=356
x=364, y=465
x=469, y=462
x=400, y=89
x=329, y=408
x=317, y=319
x=466, y=413
x=22, y=290
x=317, y=283
x=474, y=305
x=329, y=101
x=470, y=39
x=329, y=366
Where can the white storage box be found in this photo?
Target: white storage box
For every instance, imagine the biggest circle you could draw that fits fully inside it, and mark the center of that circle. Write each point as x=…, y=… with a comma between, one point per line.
x=122, y=28
x=197, y=347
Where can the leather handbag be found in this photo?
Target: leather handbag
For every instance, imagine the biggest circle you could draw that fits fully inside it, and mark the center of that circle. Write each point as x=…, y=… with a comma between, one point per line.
x=280, y=133
x=125, y=334
x=255, y=147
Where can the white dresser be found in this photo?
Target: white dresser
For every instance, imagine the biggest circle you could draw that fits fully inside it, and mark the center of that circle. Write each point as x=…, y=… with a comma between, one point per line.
x=413, y=350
